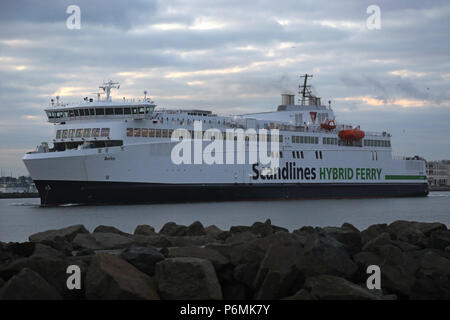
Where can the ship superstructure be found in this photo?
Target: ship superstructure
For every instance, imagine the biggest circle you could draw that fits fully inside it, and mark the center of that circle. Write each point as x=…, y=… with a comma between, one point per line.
x=108, y=151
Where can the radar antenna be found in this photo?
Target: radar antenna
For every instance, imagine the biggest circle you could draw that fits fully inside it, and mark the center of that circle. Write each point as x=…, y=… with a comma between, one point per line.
x=107, y=86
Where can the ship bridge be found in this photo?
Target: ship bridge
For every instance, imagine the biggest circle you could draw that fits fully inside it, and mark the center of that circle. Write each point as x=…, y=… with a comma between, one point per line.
x=90, y=109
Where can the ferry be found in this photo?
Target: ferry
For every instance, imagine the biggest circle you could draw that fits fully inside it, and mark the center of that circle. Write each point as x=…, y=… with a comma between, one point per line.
x=107, y=151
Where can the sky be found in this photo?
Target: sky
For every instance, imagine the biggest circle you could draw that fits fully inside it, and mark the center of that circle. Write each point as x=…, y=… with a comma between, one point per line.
x=230, y=56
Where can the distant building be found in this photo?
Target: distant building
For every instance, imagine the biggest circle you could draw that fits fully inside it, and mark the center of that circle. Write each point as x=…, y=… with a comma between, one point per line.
x=17, y=185
x=438, y=173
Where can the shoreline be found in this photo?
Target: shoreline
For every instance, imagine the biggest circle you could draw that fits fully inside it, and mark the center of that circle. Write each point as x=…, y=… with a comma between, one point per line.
x=260, y=261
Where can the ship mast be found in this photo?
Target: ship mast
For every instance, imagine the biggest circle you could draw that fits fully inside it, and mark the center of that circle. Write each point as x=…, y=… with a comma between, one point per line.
x=107, y=86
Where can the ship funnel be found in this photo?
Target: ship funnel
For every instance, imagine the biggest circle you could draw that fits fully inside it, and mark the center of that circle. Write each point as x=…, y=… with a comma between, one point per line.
x=287, y=99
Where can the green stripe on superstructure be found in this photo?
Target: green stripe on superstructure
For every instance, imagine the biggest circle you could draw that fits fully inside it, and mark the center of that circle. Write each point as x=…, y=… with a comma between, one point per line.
x=404, y=177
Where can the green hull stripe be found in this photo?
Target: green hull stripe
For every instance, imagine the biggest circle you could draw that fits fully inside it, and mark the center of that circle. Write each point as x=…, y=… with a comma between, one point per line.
x=403, y=177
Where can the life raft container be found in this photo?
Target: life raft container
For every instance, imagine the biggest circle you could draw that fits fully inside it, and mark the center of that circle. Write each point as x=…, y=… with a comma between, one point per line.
x=349, y=135
x=330, y=125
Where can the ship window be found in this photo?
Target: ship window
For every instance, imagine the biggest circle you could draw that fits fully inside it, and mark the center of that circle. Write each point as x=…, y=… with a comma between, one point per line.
x=170, y=133
x=95, y=132
x=65, y=132
x=281, y=154
x=118, y=111
x=100, y=111
x=109, y=111
x=86, y=112
x=151, y=133
x=164, y=133
x=71, y=133
x=293, y=154
x=81, y=112
x=135, y=110
x=126, y=110
x=147, y=110
x=58, y=134
x=317, y=156
x=129, y=132
x=87, y=133
x=145, y=132
x=158, y=133
x=301, y=153
x=281, y=138
x=137, y=132
x=141, y=110
x=79, y=133
x=316, y=140
x=70, y=113
x=320, y=153
x=92, y=112
x=76, y=113
x=105, y=132
x=297, y=153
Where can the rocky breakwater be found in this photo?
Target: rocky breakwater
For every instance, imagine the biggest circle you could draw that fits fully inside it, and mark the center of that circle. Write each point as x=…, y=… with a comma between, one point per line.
x=261, y=261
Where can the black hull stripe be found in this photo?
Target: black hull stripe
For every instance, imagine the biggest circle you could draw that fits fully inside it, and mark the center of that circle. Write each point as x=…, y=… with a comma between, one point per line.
x=82, y=192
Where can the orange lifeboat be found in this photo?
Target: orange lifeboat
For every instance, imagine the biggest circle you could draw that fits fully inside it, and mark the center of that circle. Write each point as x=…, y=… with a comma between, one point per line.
x=349, y=135
x=330, y=125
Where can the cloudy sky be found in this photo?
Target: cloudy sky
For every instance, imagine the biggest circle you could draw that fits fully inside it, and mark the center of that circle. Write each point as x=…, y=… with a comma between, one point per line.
x=230, y=56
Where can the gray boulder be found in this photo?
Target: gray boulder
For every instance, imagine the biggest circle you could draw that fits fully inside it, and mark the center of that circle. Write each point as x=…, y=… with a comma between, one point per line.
x=157, y=241
x=112, y=278
x=440, y=239
x=143, y=258
x=69, y=233
x=187, y=279
x=348, y=235
x=101, y=241
x=327, y=287
x=380, y=240
x=144, y=230
x=173, y=229
x=216, y=258
x=323, y=254
x=372, y=232
x=28, y=285
x=195, y=229
x=110, y=229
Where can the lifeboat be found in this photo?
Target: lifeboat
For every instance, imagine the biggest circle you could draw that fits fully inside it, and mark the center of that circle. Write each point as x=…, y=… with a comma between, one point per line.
x=349, y=135
x=330, y=125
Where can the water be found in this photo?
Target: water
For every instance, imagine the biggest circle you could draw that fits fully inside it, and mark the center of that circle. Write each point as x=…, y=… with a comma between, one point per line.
x=20, y=218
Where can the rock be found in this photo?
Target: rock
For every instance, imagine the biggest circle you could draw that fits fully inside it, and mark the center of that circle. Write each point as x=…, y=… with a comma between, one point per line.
x=427, y=228
x=213, y=230
x=190, y=241
x=69, y=233
x=302, y=294
x=59, y=243
x=223, y=249
x=239, y=229
x=101, y=241
x=372, y=232
x=51, y=268
x=348, y=236
x=143, y=258
x=109, y=229
x=44, y=250
x=217, y=259
x=187, y=279
x=349, y=227
x=241, y=237
x=2, y=282
x=173, y=229
x=431, y=263
x=405, y=246
x=325, y=255
x=380, y=240
x=112, y=278
x=157, y=241
x=440, y=239
x=235, y=291
x=28, y=285
x=261, y=229
x=144, y=230
x=22, y=249
x=278, y=276
x=327, y=287
x=195, y=229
